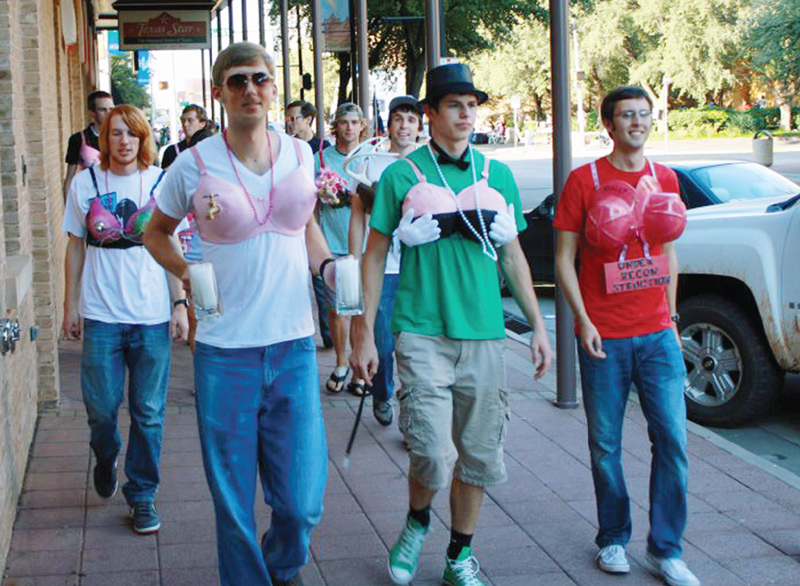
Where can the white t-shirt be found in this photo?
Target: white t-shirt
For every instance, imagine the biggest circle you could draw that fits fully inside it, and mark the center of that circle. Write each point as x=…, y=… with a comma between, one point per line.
x=375, y=168
x=118, y=285
x=263, y=281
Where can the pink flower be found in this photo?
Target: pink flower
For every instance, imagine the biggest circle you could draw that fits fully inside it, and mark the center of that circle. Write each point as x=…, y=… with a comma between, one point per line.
x=329, y=184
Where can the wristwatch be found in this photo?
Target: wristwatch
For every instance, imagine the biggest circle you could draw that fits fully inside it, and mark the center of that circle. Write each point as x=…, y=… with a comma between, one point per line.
x=184, y=302
x=676, y=317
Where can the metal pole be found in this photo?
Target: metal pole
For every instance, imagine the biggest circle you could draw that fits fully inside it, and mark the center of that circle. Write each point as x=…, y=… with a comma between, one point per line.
x=230, y=24
x=353, y=53
x=219, y=50
x=566, y=395
x=244, y=20
x=203, y=77
x=316, y=33
x=442, y=37
x=262, y=31
x=287, y=59
x=363, y=62
x=300, y=55
x=433, y=48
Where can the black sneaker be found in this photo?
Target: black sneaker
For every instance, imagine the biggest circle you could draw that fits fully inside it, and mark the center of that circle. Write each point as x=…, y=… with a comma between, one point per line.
x=145, y=518
x=383, y=412
x=295, y=580
x=105, y=478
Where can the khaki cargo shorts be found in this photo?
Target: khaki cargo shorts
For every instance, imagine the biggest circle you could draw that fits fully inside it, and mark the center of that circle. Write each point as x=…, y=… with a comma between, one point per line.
x=453, y=409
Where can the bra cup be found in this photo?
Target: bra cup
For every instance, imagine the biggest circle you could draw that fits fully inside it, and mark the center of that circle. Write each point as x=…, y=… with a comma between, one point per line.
x=89, y=155
x=293, y=210
x=610, y=223
x=425, y=198
x=102, y=225
x=663, y=218
x=137, y=222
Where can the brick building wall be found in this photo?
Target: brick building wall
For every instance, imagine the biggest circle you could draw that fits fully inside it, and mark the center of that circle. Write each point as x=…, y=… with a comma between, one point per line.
x=43, y=88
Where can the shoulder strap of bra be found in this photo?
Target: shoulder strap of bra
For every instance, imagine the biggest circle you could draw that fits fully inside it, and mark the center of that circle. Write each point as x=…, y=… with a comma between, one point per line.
x=94, y=180
x=652, y=169
x=199, y=160
x=83, y=137
x=160, y=177
x=417, y=172
x=595, y=176
x=485, y=173
x=298, y=150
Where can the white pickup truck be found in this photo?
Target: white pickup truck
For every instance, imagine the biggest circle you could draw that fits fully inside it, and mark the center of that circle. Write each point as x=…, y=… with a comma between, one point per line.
x=739, y=303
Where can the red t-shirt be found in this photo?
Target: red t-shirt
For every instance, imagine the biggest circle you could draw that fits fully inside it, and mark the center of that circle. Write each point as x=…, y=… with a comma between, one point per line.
x=619, y=315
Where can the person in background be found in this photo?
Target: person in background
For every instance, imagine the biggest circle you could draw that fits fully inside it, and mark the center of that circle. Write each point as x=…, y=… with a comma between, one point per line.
x=349, y=130
x=193, y=120
x=118, y=299
x=405, y=125
x=300, y=116
x=83, y=149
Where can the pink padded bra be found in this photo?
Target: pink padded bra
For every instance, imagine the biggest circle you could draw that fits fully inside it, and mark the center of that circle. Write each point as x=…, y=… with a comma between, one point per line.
x=121, y=227
x=233, y=218
x=427, y=198
x=89, y=154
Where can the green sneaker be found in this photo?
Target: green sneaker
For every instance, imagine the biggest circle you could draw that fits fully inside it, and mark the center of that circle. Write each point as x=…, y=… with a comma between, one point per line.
x=405, y=552
x=462, y=571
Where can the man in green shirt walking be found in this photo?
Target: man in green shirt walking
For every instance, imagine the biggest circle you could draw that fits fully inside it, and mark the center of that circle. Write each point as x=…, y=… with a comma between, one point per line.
x=458, y=215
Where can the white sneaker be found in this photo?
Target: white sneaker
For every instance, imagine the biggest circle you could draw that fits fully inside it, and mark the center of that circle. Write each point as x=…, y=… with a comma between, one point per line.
x=673, y=570
x=612, y=559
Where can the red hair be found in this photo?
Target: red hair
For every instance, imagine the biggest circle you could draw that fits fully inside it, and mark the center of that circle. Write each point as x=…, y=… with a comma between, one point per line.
x=138, y=124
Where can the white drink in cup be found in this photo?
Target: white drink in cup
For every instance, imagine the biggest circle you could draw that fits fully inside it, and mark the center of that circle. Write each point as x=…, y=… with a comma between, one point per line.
x=349, y=298
x=205, y=295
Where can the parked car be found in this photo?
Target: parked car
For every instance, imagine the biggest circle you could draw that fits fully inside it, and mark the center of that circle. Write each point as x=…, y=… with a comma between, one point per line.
x=739, y=285
x=702, y=182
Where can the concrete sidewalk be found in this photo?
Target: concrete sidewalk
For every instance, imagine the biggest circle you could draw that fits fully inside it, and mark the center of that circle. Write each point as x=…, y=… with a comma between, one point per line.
x=538, y=529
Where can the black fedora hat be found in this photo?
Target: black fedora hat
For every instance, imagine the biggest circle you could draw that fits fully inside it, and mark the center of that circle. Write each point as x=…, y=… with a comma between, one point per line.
x=453, y=78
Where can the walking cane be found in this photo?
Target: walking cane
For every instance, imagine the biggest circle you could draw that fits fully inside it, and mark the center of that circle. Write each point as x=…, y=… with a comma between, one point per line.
x=346, y=459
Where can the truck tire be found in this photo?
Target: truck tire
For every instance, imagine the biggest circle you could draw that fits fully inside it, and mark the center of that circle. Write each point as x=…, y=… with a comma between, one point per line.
x=732, y=376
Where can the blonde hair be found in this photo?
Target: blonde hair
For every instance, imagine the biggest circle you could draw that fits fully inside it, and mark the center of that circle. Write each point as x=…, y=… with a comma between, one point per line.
x=243, y=53
x=138, y=124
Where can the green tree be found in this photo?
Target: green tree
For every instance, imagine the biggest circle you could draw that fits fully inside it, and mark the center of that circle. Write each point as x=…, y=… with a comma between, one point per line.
x=774, y=49
x=520, y=66
x=123, y=81
x=471, y=26
x=696, y=43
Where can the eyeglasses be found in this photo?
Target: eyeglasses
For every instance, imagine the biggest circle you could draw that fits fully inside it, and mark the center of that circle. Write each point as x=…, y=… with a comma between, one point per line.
x=238, y=81
x=631, y=114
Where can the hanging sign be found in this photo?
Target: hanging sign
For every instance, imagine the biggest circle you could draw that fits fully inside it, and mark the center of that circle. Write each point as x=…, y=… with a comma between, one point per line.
x=336, y=25
x=164, y=29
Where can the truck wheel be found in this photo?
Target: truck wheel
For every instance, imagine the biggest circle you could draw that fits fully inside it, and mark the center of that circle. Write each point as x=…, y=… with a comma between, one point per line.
x=732, y=376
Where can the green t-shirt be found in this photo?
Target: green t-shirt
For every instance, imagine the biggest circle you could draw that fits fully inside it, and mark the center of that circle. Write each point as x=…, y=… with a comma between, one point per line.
x=448, y=287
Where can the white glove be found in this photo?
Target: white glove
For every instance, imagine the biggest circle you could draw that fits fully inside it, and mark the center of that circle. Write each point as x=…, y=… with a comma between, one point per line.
x=504, y=228
x=420, y=231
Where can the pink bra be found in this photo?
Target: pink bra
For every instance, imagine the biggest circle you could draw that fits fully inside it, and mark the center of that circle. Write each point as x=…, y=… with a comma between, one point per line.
x=224, y=213
x=121, y=227
x=89, y=154
x=427, y=198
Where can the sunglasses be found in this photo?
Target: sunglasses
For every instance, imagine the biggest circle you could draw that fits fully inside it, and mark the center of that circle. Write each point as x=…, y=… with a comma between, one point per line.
x=238, y=81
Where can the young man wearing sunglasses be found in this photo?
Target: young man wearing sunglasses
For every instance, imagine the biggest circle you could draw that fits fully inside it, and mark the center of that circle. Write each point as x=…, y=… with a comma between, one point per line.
x=448, y=317
x=252, y=194
x=624, y=338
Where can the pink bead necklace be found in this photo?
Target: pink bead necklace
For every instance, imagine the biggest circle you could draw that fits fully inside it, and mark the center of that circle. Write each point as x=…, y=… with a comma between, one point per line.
x=250, y=198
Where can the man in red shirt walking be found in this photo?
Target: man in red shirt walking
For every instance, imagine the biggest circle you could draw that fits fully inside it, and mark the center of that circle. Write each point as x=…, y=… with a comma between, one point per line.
x=624, y=300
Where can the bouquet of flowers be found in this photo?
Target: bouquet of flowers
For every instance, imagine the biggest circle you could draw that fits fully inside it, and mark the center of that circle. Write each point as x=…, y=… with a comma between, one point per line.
x=331, y=188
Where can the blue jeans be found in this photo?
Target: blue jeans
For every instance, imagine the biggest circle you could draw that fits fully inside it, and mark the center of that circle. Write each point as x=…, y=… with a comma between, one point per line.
x=259, y=413
x=146, y=351
x=655, y=365
x=383, y=381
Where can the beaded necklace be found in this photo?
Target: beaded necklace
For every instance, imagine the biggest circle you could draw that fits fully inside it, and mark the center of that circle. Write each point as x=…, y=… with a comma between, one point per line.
x=482, y=236
x=250, y=199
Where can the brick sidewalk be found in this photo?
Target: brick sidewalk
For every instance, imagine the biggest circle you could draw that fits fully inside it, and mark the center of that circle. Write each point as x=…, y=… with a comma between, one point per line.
x=538, y=529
